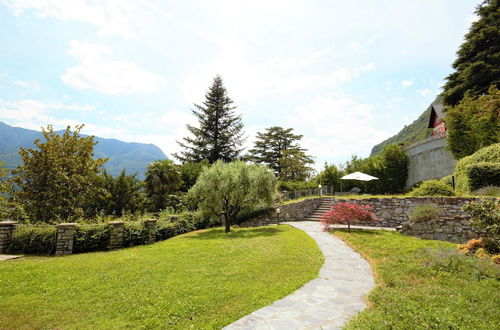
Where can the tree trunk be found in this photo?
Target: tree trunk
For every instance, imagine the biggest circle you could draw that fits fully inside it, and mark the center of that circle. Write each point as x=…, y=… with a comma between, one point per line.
x=228, y=224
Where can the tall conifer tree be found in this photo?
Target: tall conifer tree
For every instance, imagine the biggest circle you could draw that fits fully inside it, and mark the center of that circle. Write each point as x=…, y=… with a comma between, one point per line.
x=477, y=66
x=219, y=134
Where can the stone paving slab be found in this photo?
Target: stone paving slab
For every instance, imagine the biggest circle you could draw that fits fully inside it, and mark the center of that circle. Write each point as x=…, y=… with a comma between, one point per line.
x=325, y=302
x=8, y=257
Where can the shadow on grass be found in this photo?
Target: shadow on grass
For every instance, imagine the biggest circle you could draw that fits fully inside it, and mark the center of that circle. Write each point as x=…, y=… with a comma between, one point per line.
x=359, y=231
x=236, y=233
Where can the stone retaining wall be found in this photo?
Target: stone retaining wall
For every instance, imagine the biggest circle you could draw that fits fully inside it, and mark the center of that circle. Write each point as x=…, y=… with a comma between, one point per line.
x=456, y=230
x=393, y=212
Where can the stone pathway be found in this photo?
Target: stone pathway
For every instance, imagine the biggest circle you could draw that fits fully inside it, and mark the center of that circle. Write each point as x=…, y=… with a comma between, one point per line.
x=325, y=302
x=8, y=257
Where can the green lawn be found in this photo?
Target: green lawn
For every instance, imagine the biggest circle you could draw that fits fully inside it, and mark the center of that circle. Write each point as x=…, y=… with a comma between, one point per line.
x=425, y=284
x=204, y=279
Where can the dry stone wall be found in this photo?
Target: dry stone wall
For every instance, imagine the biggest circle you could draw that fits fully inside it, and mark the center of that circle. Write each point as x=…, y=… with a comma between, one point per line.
x=393, y=212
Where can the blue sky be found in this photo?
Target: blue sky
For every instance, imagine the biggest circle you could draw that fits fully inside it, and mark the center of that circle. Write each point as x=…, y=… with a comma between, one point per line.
x=345, y=74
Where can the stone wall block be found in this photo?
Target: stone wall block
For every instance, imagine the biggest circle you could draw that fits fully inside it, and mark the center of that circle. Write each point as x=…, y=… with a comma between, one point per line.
x=65, y=238
x=6, y=230
x=151, y=226
x=116, y=235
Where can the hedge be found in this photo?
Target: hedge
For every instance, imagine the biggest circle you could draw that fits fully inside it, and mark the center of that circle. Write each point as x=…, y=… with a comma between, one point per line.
x=483, y=174
x=432, y=188
x=90, y=238
x=36, y=239
x=28, y=239
x=490, y=154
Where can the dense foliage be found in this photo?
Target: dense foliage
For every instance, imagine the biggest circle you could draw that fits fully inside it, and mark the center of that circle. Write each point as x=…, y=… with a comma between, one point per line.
x=28, y=239
x=117, y=195
x=163, y=178
x=225, y=190
x=432, y=188
x=57, y=176
x=473, y=123
x=330, y=176
x=347, y=213
x=219, y=135
x=390, y=166
x=490, y=155
x=90, y=238
x=485, y=215
x=477, y=66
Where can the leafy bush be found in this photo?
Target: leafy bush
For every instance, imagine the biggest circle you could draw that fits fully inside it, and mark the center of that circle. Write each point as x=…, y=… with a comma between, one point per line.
x=450, y=260
x=90, y=238
x=134, y=233
x=432, y=188
x=344, y=213
x=491, y=191
x=424, y=213
x=485, y=214
x=483, y=174
x=296, y=185
x=176, y=225
x=487, y=154
x=28, y=239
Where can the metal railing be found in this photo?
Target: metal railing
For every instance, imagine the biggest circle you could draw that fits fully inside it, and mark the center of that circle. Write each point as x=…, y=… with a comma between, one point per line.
x=324, y=190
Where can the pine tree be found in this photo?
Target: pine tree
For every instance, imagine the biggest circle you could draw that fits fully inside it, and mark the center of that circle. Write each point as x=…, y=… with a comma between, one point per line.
x=219, y=135
x=477, y=66
x=270, y=145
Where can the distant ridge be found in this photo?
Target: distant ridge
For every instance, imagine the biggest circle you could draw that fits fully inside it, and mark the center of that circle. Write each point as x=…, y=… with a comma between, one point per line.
x=131, y=156
x=410, y=134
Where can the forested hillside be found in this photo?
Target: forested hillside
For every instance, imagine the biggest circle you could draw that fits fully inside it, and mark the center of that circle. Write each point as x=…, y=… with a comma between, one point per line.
x=412, y=133
x=133, y=157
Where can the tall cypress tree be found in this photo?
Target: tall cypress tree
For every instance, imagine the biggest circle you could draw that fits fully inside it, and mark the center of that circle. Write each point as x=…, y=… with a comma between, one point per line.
x=219, y=135
x=477, y=66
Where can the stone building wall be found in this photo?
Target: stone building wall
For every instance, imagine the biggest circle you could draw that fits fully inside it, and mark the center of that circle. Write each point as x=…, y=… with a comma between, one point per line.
x=429, y=159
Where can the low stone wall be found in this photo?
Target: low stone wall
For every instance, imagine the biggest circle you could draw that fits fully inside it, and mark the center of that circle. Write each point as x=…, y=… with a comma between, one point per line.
x=288, y=212
x=393, y=212
x=456, y=230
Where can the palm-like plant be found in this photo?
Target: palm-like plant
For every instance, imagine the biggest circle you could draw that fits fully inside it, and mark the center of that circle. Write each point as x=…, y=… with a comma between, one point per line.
x=163, y=177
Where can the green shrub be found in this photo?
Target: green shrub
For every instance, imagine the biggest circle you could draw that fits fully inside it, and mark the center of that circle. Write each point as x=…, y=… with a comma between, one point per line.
x=28, y=239
x=487, y=154
x=447, y=179
x=491, y=191
x=424, y=213
x=485, y=215
x=176, y=225
x=432, y=188
x=250, y=214
x=483, y=174
x=451, y=261
x=90, y=238
x=134, y=233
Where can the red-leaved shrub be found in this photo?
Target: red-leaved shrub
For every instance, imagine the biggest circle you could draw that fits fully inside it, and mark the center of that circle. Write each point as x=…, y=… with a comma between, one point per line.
x=344, y=213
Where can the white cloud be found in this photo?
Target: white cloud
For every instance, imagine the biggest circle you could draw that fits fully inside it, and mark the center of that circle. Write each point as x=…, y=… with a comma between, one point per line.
x=406, y=83
x=96, y=70
x=252, y=81
x=335, y=128
x=30, y=84
x=112, y=17
x=424, y=92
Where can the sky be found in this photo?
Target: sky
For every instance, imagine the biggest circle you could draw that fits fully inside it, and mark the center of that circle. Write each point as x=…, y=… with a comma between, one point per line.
x=344, y=74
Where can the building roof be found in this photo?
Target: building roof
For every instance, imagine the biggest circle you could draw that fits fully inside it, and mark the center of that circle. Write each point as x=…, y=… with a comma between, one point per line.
x=437, y=111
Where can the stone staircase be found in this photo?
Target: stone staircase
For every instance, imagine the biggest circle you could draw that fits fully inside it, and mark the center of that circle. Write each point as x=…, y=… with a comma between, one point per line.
x=326, y=204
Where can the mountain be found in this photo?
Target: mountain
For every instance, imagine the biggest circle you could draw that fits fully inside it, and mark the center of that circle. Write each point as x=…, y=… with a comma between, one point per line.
x=412, y=133
x=131, y=156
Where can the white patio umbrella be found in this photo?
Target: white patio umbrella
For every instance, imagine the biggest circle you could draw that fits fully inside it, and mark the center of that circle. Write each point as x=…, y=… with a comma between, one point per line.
x=357, y=176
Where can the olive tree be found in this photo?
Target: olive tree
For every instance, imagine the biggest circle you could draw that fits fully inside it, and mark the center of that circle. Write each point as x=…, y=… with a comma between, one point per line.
x=224, y=190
